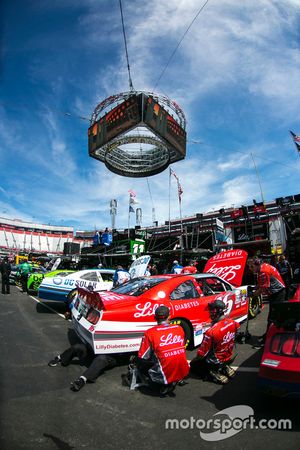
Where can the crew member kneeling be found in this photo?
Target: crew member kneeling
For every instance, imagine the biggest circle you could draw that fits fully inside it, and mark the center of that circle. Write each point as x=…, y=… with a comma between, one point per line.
x=216, y=351
x=162, y=354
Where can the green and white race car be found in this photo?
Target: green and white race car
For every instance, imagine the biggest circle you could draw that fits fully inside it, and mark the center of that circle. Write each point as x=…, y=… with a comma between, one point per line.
x=35, y=279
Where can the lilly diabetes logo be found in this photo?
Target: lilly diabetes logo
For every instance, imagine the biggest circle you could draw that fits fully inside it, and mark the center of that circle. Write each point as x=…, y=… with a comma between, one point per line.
x=227, y=423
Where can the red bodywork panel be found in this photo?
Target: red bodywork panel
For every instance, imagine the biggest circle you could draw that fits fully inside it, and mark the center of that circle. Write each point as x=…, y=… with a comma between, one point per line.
x=228, y=265
x=279, y=372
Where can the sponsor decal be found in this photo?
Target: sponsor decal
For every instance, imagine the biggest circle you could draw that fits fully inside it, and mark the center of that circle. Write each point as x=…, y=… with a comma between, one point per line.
x=84, y=284
x=198, y=330
x=68, y=282
x=145, y=310
x=139, y=266
x=226, y=255
x=57, y=280
x=186, y=305
x=228, y=273
x=171, y=339
x=110, y=296
x=228, y=337
x=240, y=298
x=121, y=347
x=174, y=352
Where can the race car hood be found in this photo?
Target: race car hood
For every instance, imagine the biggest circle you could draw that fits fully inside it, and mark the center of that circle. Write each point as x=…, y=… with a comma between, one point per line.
x=229, y=265
x=100, y=300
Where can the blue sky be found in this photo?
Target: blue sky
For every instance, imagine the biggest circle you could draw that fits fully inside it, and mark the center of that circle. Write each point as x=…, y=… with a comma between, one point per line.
x=236, y=75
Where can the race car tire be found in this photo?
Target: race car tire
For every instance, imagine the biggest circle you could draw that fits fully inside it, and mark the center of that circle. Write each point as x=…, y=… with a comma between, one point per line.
x=72, y=295
x=187, y=332
x=255, y=304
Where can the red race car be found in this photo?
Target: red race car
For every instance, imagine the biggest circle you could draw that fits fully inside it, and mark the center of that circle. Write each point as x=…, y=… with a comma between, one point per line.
x=115, y=321
x=279, y=372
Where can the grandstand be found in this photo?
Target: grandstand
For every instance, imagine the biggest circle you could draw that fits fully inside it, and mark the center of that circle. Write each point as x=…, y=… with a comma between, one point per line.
x=19, y=236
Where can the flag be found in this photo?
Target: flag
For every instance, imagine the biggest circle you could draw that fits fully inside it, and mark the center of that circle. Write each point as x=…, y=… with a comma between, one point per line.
x=132, y=197
x=180, y=190
x=131, y=210
x=296, y=140
x=132, y=200
x=295, y=137
x=132, y=193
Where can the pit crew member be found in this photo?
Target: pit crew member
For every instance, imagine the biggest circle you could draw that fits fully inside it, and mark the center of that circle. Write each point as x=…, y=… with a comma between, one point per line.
x=25, y=269
x=191, y=268
x=99, y=364
x=162, y=354
x=269, y=283
x=216, y=351
x=121, y=276
x=5, y=269
x=176, y=268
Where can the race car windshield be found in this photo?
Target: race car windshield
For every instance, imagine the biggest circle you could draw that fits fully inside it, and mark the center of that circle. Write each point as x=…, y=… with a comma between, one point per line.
x=63, y=274
x=138, y=286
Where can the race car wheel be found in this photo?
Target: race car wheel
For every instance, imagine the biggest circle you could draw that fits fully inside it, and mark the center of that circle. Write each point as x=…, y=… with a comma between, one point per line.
x=72, y=295
x=254, y=306
x=187, y=331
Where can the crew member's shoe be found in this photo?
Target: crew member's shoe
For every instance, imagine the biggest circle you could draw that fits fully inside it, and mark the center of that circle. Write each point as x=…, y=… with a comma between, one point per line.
x=55, y=362
x=260, y=342
x=218, y=377
x=229, y=371
x=77, y=384
x=167, y=389
x=262, y=338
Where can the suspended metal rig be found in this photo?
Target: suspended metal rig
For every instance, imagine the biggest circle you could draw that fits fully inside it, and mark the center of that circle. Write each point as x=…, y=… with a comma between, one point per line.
x=140, y=136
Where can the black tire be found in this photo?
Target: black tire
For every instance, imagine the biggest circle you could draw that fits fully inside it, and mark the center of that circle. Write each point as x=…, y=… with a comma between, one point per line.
x=254, y=306
x=187, y=332
x=71, y=295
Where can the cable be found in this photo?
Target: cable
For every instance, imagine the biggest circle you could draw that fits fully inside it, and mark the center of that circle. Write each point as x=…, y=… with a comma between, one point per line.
x=243, y=153
x=126, y=51
x=150, y=194
x=177, y=46
x=26, y=107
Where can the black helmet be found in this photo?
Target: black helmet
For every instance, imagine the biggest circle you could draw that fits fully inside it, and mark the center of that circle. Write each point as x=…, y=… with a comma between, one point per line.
x=216, y=309
x=162, y=312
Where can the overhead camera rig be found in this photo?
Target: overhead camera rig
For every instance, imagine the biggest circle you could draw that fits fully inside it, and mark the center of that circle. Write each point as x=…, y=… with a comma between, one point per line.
x=140, y=136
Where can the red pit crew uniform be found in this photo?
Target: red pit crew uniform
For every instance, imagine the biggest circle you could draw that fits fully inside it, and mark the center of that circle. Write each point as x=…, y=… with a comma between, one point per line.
x=164, y=345
x=220, y=340
x=269, y=279
x=270, y=282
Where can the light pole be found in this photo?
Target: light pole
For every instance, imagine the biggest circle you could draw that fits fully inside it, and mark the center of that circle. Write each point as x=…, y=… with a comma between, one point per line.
x=113, y=212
